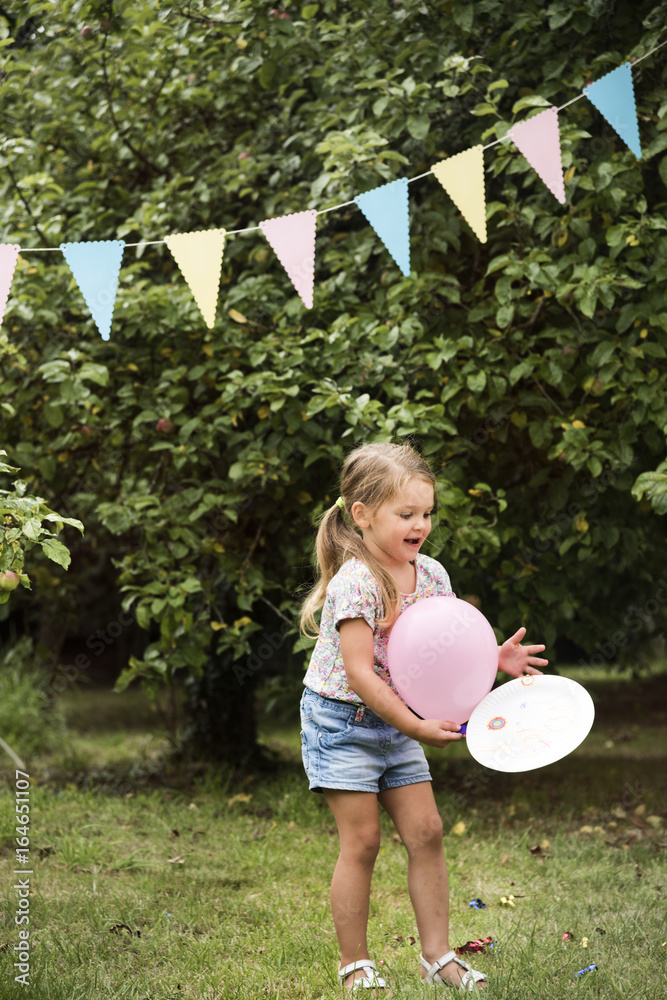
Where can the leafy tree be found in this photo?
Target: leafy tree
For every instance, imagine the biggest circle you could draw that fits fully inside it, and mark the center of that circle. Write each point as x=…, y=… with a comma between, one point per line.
x=23, y=518
x=530, y=369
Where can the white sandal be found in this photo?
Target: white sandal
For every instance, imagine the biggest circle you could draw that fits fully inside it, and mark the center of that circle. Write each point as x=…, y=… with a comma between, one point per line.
x=370, y=981
x=468, y=980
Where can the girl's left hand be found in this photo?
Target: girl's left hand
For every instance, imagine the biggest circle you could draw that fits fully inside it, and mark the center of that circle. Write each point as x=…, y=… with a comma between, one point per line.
x=515, y=659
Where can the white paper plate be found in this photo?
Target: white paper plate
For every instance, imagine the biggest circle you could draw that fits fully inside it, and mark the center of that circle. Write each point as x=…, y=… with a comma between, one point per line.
x=529, y=722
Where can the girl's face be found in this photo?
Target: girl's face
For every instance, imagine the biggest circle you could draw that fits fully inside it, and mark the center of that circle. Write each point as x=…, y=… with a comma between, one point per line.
x=395, y=532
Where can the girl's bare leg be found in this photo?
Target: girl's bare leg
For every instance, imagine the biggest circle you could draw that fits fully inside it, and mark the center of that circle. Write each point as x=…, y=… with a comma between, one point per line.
x=415, y=815
x=357, y=819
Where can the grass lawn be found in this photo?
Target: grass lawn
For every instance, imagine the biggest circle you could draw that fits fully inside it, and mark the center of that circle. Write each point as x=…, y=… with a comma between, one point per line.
x=155, y=882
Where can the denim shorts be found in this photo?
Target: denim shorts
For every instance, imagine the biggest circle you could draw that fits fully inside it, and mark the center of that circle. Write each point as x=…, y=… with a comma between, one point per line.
x=345, y=748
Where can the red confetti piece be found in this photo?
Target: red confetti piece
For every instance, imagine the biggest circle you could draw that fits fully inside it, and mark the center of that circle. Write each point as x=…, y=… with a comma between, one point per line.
x=470, y=947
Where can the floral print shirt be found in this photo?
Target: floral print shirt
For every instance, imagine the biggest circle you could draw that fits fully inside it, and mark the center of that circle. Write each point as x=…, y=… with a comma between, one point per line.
x=354, y=593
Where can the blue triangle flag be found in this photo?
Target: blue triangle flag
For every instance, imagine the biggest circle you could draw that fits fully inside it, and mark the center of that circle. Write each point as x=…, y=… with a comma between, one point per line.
x=614, y=97
x=386, y=208
x=95, y=267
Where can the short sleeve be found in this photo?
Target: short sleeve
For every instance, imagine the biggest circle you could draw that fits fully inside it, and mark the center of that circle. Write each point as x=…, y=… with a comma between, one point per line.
x=446, y=583
x=353, y=594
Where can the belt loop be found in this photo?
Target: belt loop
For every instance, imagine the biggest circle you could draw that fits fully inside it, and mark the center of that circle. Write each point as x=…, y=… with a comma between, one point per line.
x=360, y=713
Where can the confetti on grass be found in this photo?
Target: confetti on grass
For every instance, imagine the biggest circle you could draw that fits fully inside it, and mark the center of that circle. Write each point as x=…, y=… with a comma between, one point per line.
x=589, y=968
x=481, y=944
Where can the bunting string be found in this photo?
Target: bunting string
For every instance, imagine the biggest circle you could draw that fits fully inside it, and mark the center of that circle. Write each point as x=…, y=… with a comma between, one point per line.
x=95, y=265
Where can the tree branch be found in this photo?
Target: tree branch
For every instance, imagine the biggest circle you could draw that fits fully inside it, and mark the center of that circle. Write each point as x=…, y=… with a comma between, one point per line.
x=277, y=610
x=123, y=138
x=25, y=202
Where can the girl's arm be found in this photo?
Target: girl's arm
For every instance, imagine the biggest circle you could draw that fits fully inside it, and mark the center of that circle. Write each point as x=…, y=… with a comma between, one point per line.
x=514, y=659
x=356, y=644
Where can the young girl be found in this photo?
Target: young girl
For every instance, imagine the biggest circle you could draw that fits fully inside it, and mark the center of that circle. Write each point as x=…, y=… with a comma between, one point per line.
x=360, y=741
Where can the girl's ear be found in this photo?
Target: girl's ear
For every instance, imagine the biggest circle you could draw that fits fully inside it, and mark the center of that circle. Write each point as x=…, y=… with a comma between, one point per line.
x=360, y=514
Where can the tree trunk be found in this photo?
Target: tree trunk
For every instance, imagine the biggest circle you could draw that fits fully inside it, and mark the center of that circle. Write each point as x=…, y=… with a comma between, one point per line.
x=222, y=725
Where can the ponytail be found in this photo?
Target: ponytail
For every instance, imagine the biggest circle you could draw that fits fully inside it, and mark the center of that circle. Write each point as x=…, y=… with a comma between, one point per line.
x=336, y=543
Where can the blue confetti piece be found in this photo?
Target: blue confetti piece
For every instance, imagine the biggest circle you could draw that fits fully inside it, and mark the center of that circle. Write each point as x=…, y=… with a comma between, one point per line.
x=477, y=904
x=589, y=968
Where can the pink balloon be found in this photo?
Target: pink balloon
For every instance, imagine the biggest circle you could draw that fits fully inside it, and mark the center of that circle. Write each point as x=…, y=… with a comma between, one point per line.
x=443, y=658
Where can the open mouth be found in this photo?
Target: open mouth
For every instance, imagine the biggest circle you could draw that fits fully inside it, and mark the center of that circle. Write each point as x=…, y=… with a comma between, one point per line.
x=413, y=541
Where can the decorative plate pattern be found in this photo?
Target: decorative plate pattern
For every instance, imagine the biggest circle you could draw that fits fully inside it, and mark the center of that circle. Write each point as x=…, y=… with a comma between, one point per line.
x=529, y=722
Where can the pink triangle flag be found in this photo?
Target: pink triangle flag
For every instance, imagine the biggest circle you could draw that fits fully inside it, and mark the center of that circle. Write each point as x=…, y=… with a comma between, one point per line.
x=9, y=253
x=539, y=141
x=292, y=238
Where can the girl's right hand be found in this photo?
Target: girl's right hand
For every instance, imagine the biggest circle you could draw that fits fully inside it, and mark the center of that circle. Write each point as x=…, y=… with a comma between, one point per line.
x=435, y=733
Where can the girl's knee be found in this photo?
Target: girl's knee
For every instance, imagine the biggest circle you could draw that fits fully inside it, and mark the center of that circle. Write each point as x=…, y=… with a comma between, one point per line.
x=425, y=833
x=363, y=844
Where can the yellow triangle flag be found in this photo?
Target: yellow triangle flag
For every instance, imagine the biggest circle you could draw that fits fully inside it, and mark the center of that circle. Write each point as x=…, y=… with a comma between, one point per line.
x=199, y=257
x=462, y=177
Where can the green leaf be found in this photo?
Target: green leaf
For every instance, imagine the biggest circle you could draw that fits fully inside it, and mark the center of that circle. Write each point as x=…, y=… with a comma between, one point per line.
x=505, y=315
x=418, y=126
x=602, y=353
x=559, y=14
x=499, y=262
x=484, y=108
x=32, y=528
x=54, y=415
x=463, y=15
x=94, y=373
x=588, y=302
x=519, y=371
x=587, y=248
x=267, y=73
x=654, y=485
x=56, y=551
x=567, y=545
x=662, y=170
x=60, y=520
x=540, y=433
x=143, y=616
x=55, y=371
x=476, y=381
x=530, y=101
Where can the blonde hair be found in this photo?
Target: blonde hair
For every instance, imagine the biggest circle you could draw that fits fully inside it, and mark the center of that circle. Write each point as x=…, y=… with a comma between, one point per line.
x=372, y=475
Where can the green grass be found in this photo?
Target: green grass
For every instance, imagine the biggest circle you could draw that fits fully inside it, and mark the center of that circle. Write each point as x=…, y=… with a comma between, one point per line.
x=196, y=884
